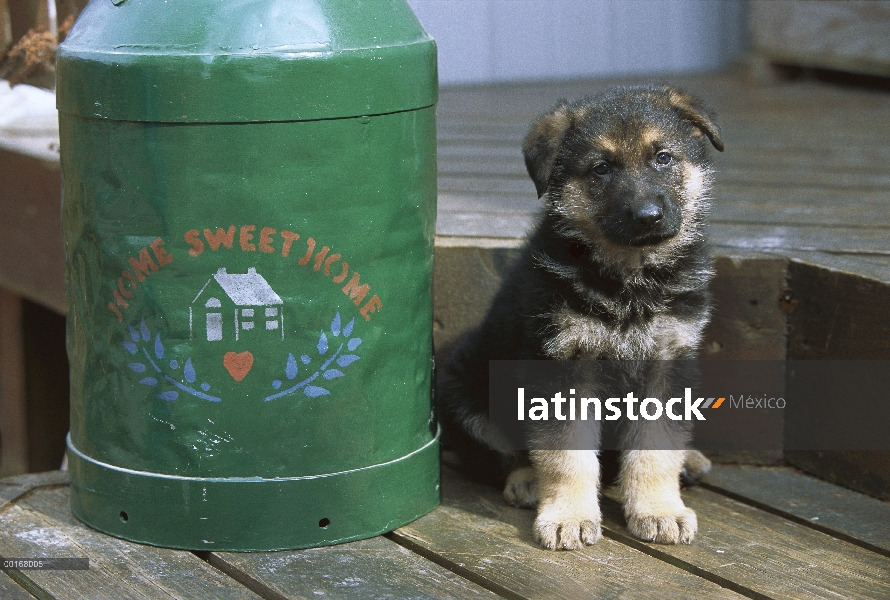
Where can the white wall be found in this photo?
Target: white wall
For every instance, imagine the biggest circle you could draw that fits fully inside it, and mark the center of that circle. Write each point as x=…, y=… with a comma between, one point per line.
x=514, y=40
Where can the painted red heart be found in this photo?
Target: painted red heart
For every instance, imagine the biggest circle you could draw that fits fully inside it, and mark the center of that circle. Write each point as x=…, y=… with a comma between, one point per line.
x=238, y=364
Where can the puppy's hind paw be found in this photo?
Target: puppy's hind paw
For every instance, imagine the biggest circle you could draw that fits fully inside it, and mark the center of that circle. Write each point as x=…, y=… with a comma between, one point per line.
x=520, y=488
x=567, y=535
x=695, y=465
x=664, y=529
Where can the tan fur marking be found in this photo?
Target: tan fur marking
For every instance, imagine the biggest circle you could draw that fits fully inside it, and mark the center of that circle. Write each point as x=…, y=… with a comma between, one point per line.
x=665, y=337
x=650, y=485
x=542, y=143
x=696, y=184
x=555, y=125
x=696, y=187
x=692, y=110
x=568, y=498
x=607, y=144
x=673, y=336
x=649, y=136
x=679, y=99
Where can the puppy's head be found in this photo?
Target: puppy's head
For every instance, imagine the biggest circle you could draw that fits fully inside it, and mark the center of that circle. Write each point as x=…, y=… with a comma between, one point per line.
x=625, y=172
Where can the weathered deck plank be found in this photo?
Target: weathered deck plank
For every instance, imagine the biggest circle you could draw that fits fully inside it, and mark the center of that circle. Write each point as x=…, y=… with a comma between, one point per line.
x=765, y=553
x=832, y=509
x=734, y=203
x=14, y=487
x=373, y=568
x=479, y=535
x=40, y=523
x=10, y=590
x=784, y=239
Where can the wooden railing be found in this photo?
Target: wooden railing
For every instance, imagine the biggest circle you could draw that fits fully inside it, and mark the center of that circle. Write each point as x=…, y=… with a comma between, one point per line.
x=33, y=393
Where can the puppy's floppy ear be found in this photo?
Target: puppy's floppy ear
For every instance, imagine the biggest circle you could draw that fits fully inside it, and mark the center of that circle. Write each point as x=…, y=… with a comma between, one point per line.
x=542, y=143
x=694, y=110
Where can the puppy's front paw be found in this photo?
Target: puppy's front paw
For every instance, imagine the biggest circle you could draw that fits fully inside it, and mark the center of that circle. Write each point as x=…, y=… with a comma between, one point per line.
x=566, y=530
x=520, y=488
x=665, y=528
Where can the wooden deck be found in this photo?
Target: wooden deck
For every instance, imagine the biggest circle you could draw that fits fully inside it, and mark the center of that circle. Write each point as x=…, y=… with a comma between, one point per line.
x=763, y=533
x=804, y=173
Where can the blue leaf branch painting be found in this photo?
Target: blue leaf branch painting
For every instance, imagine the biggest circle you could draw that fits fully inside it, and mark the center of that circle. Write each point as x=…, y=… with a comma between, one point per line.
x=328, y=358
x=138, y=346
x=291, y=370
x=335, y=351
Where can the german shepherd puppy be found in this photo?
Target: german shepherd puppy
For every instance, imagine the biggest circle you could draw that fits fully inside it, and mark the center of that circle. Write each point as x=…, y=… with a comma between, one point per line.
x=616, y=268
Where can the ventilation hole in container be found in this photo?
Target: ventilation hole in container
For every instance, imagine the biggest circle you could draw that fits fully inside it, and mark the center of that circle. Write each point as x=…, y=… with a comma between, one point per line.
x=324, y=523
x=124, y=516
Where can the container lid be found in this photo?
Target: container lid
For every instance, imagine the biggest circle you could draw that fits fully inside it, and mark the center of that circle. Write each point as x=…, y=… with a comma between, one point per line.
x=198, y=61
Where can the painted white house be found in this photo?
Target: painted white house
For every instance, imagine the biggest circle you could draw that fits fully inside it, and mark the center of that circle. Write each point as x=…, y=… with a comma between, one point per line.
x=231, y=305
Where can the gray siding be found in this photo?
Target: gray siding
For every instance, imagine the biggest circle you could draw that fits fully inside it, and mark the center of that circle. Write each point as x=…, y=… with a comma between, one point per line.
x=516, y=40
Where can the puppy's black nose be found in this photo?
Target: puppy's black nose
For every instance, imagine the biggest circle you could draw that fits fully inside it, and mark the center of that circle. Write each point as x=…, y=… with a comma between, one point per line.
x=648, y=215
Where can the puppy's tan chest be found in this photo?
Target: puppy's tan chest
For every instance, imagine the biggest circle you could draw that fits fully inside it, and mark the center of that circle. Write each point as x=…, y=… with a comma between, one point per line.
x=662, y=337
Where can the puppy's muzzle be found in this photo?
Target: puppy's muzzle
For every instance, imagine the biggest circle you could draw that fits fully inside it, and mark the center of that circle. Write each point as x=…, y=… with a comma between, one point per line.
x=647, y=217
x=646, y=222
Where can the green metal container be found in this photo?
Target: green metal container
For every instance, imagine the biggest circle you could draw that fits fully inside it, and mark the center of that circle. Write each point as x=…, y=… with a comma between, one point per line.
x=249, y=210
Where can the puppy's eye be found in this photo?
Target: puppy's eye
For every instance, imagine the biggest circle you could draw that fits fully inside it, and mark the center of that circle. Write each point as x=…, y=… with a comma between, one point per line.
x=602, y=168
x=663, y=158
